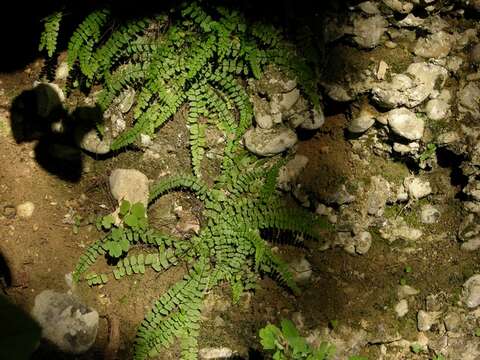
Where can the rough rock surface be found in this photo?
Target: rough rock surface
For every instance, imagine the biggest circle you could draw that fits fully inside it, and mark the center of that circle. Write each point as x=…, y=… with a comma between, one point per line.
x=130, y=185
x=405, y=123
x=269, y=142
x=65, y=321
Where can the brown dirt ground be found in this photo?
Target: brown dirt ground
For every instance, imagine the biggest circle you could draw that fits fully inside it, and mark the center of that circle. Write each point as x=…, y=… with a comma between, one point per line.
x=358, y=291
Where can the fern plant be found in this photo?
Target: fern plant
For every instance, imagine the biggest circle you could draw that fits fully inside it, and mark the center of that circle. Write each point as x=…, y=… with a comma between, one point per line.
x=229, y=248
x=195, y=56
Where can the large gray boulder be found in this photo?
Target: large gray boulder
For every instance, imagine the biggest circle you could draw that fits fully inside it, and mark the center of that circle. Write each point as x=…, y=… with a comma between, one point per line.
x=65, y=321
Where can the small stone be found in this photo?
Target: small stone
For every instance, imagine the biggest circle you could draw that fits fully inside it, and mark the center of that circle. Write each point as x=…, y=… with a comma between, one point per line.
x=362, y=122
x=471, y=245
x=302, y=270
x=65, y=321
x=130, y=185
x=437, y=45
x=92, y=142
x=382, y=70
x=471, y=291
x=379, y=193
x=437, y=109
x=25, y=210
x=469, y=99
x=399, y=6
x=368, y=31
x=363, y=242
x=448, y=138
x=405, y=291
x=314, y=121
x=269, y=142
x=425, y=320
x=401, y=309
x=429, y=214
x=215, y=353
x=369, y=7
x=289, y=99
x=452, y=321
x=405, y=123
x=475, y=54
x=416, y=187
x=61, y=73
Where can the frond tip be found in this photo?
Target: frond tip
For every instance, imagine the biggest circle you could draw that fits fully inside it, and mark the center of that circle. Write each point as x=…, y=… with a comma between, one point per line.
x=49, y=36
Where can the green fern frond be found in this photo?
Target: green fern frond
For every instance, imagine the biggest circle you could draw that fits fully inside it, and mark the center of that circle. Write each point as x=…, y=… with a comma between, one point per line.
x=187, y=182
x=48, y=38
x=85, y=37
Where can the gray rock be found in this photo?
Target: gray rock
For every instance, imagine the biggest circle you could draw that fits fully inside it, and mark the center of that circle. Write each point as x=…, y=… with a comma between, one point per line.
x=85, y=133
x=401, y=308
x=437, y=109
x=405, y=123
x=429, y=214
x=475, y=54
x=289, y=173
x=25, y=210
x=130, y=185
x=425, y=320
x=448, y=138
x=215, y=353
x=269, y=142
x=61, y=73
x=405, y=291
x=65, y=321
x=411, y=21
x=301, y=270
x=92, y=142
x=471, y=245
x=49, y=98
x=416, y=187
x=362, y=122
x=274, y=81
x=368, y=31
x=397, y=229
x=369, y=7
x=403, y=7
x=436, y=45
x=452, y=321
x=406, y=149
x=471, y=291
x=285, y=101
x=420, y=81
x=363, y=242
x=380, y=191
x=314, y=121
x=469, y=99
x=261, y=109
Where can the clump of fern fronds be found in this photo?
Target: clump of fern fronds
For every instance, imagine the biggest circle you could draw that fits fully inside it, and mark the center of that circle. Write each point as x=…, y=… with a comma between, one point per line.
x=228, y=249
x=194, y=56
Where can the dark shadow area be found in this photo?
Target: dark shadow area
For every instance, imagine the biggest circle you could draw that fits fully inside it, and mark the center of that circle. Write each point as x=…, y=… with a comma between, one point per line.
x=448, y=159
x=19, y=333
x=38, y=115
x=5, y=274
x=47, y=350
x=253, y=354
